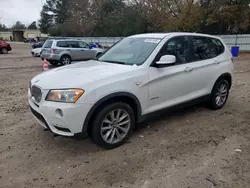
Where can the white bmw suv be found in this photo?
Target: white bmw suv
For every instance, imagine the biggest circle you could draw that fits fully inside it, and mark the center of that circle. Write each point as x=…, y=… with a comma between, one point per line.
x=139, y=75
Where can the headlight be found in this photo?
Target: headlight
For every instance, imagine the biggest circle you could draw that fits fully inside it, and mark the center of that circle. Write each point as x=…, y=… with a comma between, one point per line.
x=67, y=95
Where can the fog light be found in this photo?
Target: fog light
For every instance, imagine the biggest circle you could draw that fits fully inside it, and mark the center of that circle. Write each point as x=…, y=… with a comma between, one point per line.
x=59, y=112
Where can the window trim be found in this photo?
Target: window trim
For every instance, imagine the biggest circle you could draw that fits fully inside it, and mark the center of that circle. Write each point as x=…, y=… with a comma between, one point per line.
x=198, y=36
x=153, y=64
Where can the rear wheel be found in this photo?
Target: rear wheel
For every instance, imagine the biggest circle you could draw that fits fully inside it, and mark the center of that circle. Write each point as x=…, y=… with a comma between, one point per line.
x=219, y=94
x=65, y=60
x=113, y=125
x=4, y=51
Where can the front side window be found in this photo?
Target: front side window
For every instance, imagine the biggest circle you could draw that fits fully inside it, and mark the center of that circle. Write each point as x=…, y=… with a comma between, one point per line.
x=131, y=51
x=206, y=48
x=178, y=47
x=83, y=44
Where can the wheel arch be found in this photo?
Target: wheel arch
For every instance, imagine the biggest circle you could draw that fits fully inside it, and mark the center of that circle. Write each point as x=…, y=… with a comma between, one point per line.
x=125, y=97
x=66, y=54
x=226, y=76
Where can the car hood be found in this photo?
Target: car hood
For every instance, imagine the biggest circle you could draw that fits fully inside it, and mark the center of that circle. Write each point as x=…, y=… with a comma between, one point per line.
x=79, y=74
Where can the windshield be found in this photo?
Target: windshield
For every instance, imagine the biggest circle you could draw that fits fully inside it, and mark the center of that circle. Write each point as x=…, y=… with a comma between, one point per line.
x=130, y=51
x=48, y=44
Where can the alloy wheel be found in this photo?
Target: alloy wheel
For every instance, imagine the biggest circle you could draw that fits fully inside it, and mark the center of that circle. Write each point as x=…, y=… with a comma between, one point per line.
x=65, y=61
x=115, y=126
x=221, y=95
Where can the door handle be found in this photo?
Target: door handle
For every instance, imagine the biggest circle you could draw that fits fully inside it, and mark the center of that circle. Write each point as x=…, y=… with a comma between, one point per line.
x=188, y=69
x=68, y=49
x=216, y=62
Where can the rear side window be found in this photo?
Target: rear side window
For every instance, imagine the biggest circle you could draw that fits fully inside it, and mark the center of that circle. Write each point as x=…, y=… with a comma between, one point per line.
x=62, y=44
x=72, y=44
x=48, y=44
x=206, y=48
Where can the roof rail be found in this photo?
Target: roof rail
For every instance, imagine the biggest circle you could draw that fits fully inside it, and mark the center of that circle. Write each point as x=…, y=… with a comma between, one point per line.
x=75, y=38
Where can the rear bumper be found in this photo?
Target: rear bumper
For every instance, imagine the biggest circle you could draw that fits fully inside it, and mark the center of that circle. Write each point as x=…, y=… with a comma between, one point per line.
x=54, y=57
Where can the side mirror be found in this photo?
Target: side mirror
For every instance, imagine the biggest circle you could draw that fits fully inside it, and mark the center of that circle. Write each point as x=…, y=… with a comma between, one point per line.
x=166, y=60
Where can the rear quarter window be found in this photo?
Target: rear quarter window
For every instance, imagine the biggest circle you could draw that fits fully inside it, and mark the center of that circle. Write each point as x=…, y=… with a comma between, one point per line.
x=48, y=44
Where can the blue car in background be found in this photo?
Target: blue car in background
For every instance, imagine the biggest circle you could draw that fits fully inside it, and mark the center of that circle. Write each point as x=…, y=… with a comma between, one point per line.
x=38, y=45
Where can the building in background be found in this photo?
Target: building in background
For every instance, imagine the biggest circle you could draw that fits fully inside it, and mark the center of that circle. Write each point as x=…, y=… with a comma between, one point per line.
x=22, y=35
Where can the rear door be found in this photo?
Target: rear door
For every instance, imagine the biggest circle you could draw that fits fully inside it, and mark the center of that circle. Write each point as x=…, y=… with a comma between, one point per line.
x=74, y=50
x=206, y=55
x=85, y=51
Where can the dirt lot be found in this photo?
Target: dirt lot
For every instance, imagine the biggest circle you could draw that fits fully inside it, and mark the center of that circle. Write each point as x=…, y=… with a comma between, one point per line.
x=192, y=148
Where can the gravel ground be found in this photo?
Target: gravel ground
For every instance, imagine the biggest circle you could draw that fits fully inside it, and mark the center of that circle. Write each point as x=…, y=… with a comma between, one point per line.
x=191, y=148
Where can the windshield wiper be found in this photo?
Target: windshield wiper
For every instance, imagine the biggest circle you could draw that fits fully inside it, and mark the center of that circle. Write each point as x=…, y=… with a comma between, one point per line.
x=116, y=62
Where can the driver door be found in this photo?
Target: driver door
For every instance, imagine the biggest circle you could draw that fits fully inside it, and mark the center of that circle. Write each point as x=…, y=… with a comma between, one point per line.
x=172, y=85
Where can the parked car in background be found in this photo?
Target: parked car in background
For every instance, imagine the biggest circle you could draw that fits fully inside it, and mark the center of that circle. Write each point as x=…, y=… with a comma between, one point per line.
x=38, y=45
x=4, y=47
x=36, y=52
x=29, y=40
x=64, y=51
x=141, y=74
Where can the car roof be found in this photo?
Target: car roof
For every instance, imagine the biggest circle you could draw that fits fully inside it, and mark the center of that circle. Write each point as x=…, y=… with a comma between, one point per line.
x=163, y=35
x=64, y=39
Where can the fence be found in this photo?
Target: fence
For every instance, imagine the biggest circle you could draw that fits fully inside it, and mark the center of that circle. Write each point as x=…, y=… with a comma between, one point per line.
x=243, y=41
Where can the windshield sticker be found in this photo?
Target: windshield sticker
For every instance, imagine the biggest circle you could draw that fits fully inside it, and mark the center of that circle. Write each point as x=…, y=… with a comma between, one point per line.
x=152, y=40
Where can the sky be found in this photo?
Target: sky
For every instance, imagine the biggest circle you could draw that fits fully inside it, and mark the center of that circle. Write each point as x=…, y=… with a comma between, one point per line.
x=25, y=11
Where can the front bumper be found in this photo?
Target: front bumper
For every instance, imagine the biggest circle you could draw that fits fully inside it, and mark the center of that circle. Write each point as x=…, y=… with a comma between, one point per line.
x=35, y=54
x=70, y=124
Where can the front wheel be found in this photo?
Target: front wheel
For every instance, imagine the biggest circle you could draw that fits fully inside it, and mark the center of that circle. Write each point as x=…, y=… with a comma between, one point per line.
x=219, y=94
x=113, y=125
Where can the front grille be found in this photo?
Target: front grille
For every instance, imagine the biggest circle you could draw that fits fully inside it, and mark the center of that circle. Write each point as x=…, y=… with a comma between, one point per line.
x=39, y=117
x=36, y=92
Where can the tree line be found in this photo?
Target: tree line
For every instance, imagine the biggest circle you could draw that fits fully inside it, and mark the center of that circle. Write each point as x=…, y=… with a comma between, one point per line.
x=127, y=17
x=18, y=25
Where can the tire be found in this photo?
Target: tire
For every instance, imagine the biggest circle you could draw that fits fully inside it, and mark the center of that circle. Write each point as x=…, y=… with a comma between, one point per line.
x=219, y=94
x=4, y=51
x=103, y=126
x=98, y=55
x=65, y=60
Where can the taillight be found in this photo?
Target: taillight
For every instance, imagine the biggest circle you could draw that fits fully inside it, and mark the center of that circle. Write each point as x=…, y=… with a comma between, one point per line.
x=53, y=50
